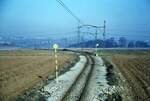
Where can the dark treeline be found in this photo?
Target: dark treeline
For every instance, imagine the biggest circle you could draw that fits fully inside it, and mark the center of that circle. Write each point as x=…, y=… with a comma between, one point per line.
x=113, y=43
x=33, y=43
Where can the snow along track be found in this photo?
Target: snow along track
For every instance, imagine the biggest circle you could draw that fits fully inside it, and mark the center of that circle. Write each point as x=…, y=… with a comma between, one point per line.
x=75, y=92
x=56, y=91
x=90, y=84
x=84, y=82
x=97, y=83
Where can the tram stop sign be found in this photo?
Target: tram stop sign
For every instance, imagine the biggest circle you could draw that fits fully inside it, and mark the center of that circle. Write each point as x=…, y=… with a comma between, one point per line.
x=55, y=46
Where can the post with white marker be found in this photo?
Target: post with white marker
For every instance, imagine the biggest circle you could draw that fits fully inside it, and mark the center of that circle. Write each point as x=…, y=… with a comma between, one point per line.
x=96, y=49
x=55, y=46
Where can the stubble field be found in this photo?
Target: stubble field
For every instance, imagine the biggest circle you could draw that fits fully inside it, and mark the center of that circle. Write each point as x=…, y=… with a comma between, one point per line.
x=135, y=67
x=20, y=70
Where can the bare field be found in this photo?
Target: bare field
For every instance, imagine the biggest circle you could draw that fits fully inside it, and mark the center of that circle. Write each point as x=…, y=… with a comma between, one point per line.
x=19, y=70
x=135, y=67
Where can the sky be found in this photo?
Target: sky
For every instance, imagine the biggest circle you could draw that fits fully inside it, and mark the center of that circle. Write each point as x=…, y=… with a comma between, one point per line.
x=46, y=18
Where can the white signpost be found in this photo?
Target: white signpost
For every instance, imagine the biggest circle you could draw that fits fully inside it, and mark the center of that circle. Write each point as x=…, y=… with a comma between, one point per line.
x=55, y=46
x=96, y=49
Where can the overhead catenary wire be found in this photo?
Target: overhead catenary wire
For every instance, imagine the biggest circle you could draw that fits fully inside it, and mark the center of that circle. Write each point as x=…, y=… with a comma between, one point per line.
x=69, y=11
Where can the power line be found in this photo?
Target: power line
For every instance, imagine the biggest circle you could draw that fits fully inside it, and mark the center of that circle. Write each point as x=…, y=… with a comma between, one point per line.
x=69, y=11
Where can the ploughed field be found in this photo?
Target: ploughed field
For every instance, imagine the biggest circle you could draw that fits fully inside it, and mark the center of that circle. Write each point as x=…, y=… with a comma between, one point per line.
x=135, y=67
x=20, y=69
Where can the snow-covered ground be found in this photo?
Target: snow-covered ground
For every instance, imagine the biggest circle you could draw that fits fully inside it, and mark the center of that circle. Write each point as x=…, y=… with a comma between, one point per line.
x=95, y=90
x=57, y=90
x=98, y=83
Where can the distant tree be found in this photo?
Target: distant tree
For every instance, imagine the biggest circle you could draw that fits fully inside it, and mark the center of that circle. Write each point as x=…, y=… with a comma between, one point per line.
x=122, y=42
x=141, y=44
x=111, y=42
x=131, y=44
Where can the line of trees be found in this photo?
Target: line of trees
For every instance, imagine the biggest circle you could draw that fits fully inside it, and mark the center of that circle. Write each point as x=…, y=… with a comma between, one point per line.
x=124, y=43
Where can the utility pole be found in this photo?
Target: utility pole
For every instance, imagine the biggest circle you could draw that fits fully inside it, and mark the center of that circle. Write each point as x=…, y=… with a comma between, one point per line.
x=104, y=30
x=96, y=29
x=104, y=36
x=78, y=35
x=96, y=35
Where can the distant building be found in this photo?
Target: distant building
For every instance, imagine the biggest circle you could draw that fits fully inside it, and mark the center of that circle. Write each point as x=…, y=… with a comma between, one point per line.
x=122, y=42
x=141, y=44
x=131, y=44
x=111, y=42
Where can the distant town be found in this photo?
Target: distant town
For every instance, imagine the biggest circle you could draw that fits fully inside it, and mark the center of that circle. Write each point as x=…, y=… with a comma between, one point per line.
x=46, y=43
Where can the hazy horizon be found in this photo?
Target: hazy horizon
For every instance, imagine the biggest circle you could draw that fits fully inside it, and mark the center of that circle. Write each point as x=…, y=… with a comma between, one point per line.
x=38, y=18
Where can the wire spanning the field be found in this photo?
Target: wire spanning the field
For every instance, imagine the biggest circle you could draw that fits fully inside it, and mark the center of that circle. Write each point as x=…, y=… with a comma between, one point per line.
x=69, y=11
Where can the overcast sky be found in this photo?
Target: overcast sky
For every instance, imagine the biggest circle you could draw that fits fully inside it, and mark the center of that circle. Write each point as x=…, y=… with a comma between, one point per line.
x=46, y=17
